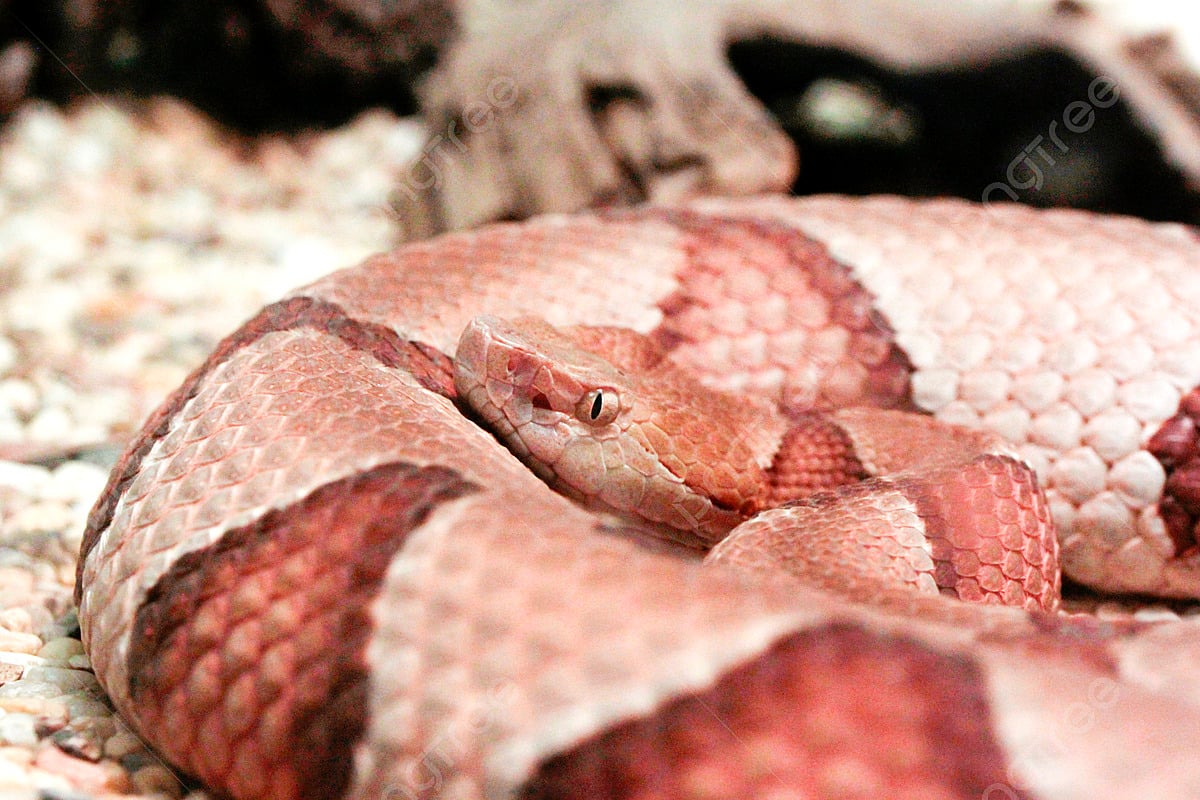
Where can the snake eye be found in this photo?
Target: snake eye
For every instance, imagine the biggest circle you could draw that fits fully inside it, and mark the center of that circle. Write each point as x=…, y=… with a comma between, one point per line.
x=598, y=407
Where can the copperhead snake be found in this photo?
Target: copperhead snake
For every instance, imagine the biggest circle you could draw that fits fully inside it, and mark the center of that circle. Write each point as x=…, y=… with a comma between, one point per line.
x=315, y=574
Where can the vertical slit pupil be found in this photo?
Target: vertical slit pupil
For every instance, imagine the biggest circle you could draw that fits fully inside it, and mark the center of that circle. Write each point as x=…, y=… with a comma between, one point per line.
x=597, y=404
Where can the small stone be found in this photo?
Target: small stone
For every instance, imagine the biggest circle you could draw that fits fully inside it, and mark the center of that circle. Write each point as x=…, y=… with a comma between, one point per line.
x=122, y=743
x=83, y=744
x=82, y=707
x=77, y=481
x=15, y=777
x=1155, y=614
x=28, y=697
x=42, y=517
x=58, y=627
x=132, y=762
x=61, y=790
x=47, y=726
x=17, y=619
x=103, y=727
x=61, y=649
x=157, y=778
x=79, y=662
x=51, y=424
x=16, y=755
x=50, y=715
x=8, y=354
x=19, y=730
x=19, y=397
x=23, y=659
x=24, y=478
x=43, y=622
x=84, y=775
x=10, y=672
x=15, y=579
x=10, y=429
x=20, y=642
x=67, y=680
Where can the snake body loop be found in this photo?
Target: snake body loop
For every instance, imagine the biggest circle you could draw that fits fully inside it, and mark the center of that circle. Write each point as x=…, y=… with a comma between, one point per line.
x=315, y=573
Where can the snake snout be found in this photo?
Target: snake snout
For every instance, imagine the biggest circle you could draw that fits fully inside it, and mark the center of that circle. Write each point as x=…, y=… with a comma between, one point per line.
x=495, y=368
x=470, y=356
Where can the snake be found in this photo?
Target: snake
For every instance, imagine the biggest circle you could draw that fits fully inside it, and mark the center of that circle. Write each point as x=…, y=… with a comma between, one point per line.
x=757, y=497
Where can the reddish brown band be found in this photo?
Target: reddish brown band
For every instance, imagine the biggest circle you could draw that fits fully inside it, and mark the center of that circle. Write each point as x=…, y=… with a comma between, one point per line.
x=815, y=455
x=990, y=532
x=719, y=247
x=252, y=651
x=1176, y=445
x=916, y=725
x=429, y=366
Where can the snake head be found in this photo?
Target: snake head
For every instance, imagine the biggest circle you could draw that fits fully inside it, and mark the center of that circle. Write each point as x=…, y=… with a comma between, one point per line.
x=603, y=417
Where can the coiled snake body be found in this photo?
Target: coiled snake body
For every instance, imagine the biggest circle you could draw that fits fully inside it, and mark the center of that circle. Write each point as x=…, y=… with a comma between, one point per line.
x=314, y=573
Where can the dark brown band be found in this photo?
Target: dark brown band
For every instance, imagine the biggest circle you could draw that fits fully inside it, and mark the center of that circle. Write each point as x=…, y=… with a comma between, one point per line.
x=253, y=650
x=916, y=724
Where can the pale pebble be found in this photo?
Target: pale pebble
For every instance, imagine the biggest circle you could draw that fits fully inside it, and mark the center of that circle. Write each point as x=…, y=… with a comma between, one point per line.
x=23, y=659
x=22, y=695
x=67, y=680
x=20, y=642
x=16, y=619
x=18, y=730
x=8, y=355
x=51, y=424
x=61, y=649
x=156, y=778
x=51, y=786
x=52, y=711
x=42, y=517
x=122, y=743
x=83, y=774
x=25, y=478
x=14, y=775
x=16, y=755
x=81, y=707
x=1155, y=614
x=49, y=627
x=76, y=481
x=11, y=430
x=104, y=727
x=81, y=740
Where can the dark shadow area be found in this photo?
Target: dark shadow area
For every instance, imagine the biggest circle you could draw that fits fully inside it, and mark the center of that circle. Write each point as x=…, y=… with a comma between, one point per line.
x=862, y=129
x=230, y=58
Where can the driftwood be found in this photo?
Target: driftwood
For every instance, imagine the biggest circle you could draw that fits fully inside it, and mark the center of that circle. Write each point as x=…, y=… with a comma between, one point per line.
x=552, y=106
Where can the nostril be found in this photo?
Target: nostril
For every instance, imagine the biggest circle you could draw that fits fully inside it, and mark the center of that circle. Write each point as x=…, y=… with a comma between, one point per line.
x=540, y=400
x=514, y=361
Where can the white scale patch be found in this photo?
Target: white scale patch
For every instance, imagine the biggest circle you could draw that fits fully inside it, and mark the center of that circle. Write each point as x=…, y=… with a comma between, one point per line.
x=1075, y=353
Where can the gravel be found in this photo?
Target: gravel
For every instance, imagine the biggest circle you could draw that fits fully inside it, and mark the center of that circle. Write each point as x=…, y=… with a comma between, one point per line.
x=132, y=238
